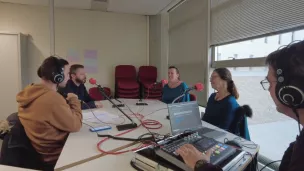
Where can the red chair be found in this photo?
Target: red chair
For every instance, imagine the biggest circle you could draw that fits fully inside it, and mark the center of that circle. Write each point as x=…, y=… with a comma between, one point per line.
x=192, y=97
x=126, y=84
x=96, y=95
x=147, y=76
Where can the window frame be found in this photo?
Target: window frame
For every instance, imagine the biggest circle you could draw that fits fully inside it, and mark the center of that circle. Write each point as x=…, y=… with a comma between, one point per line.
x=248, y=62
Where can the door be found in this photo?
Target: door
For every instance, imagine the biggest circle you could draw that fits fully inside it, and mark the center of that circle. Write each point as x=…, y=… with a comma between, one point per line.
x=9, y=74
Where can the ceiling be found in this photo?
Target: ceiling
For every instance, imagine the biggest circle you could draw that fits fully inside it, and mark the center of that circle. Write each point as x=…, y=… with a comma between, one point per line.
x=141, y=7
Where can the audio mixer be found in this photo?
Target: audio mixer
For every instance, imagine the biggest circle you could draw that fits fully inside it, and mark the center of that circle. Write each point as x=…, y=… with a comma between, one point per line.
x=168, y=150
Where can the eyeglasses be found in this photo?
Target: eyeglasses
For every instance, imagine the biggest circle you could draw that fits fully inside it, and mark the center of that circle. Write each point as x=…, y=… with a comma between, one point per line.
x=266, y=84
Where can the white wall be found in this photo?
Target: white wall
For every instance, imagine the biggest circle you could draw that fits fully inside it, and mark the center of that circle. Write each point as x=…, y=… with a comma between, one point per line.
x=159, y=44
x=189, y=42
x=118, y=38
x=155, y=43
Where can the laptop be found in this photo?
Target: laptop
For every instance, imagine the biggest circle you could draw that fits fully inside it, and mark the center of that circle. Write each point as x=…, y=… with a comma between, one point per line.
x=185, y=117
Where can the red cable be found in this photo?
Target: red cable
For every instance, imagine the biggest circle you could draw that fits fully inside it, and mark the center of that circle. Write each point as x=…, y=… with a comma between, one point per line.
x=145, y=123
x=149, y=90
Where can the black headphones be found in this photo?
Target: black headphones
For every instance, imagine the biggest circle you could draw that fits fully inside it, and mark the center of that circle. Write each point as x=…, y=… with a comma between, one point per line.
x=58, y=74
x=288, y=92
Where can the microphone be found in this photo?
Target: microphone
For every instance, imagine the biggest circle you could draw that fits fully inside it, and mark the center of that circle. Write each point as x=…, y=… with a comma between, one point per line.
x=93, y=82
x=163, y=82
x=119, y=127
x=197, y=87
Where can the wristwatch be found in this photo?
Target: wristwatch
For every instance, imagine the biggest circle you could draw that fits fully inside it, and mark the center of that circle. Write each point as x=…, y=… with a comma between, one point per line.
x=199, y=164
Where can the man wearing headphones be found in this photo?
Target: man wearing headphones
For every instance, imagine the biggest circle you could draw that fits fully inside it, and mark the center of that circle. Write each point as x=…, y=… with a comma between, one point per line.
x=285, y=82
x=46, y=116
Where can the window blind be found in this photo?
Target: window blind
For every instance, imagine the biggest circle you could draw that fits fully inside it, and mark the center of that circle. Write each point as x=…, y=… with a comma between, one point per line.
x=241, y=19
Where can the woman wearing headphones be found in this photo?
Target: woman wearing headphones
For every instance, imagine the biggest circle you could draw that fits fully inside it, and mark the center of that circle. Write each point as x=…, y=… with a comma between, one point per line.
x=286, y=86
x=46, y=116
x=174, y=88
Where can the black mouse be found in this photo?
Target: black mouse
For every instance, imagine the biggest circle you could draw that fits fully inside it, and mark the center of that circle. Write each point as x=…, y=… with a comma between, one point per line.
x=234, y=143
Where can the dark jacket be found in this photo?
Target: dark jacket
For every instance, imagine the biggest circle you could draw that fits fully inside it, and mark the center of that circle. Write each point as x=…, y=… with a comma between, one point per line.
x=291, y=161
x=224, y=109
x=17, y=149
x=81, y=92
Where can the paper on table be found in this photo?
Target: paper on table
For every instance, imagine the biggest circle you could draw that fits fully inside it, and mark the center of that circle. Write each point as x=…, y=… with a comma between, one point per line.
x=101, y=115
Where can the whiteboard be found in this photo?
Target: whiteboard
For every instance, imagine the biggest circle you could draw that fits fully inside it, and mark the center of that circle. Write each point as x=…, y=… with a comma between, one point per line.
x=9, y=73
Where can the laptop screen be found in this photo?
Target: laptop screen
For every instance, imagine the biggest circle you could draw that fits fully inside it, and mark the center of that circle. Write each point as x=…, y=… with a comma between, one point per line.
x=184, y=117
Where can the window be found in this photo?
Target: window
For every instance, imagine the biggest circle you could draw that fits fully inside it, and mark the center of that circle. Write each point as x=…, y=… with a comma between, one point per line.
x=267, y=125
x=299, y=35
x=246, y=62
x=256, y=48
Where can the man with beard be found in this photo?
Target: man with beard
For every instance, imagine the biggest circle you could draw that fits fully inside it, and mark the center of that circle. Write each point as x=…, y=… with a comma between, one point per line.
x=76, y=85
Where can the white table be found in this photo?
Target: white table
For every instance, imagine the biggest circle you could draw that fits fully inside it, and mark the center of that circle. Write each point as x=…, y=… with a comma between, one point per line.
x=122, y=162
x=80, y=151
x=81, y=146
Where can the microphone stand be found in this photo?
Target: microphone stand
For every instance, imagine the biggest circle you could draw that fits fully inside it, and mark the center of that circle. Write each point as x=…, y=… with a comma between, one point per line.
x=182, y=95
x=177, y=98
x=120, y=103
x=119, y=127
x=140, y=102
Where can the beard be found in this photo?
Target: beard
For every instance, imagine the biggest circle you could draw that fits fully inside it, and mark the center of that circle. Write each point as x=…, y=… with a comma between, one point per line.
x=80, y=81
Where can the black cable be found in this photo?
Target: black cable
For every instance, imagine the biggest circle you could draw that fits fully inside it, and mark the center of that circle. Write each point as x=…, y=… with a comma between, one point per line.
x=298, y=118
x=247, y=153
x=140, y=139
x=127, y=139
x=237, y=162
x=253, y=161
x=93, y=112
x=253, y=145
x=270, y=164
x=154, y=139
x=135, y=167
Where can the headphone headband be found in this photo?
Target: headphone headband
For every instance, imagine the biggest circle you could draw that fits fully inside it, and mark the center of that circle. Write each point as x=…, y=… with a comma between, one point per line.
x=57, y=72
x=287, y=91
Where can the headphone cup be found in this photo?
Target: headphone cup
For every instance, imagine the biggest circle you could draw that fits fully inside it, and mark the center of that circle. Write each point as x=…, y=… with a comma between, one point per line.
x=291, y=96
x=58, y=77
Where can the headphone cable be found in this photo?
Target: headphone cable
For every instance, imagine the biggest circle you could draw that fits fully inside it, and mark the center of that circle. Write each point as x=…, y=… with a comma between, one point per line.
x=298, y=118
x=268, y=164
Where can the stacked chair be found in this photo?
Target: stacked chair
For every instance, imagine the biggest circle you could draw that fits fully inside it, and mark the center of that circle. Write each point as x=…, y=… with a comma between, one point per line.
x=147, y=76
x=126, y=85
x=97, y=96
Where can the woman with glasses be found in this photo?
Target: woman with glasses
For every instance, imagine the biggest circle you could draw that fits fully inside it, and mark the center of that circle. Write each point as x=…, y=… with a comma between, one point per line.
x=285, y=82
x=222, y=105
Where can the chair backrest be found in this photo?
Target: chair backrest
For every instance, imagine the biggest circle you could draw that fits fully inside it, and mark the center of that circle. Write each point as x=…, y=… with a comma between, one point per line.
x=96, y=95
x=127, y=72
x=192, y=97
x=17, y=149
x=147, y=73
x=239, y=124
